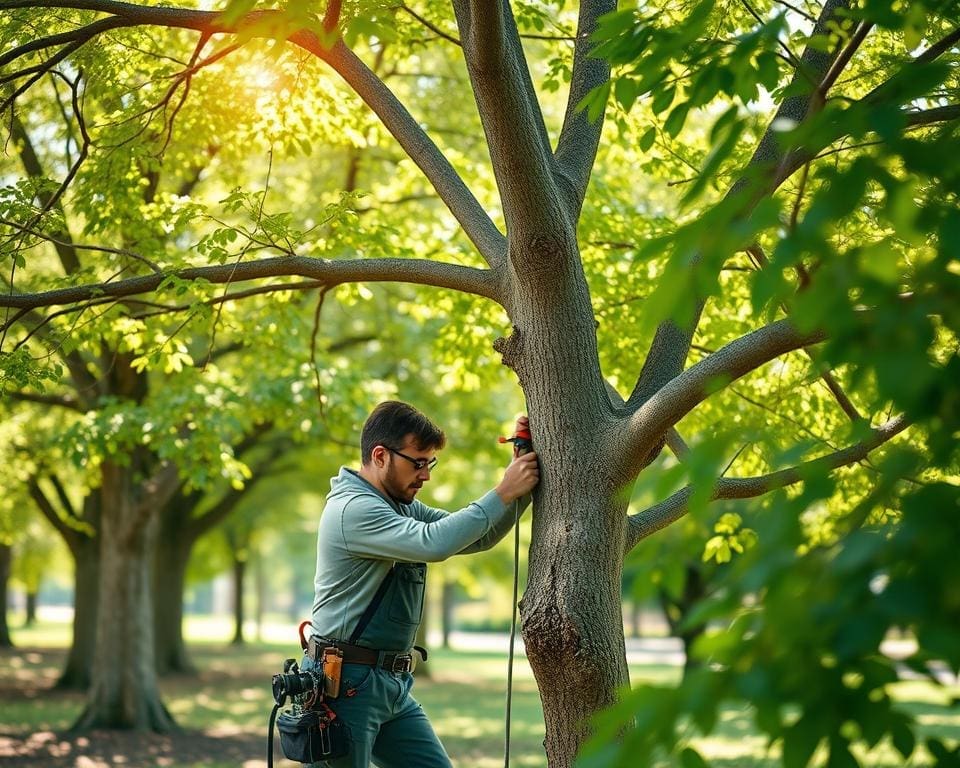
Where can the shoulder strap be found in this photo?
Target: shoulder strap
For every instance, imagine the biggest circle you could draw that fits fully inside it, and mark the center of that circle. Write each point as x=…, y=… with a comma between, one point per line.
x=374, y=604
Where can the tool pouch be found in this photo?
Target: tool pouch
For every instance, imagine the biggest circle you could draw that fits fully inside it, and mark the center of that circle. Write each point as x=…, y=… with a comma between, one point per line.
x=312, y=735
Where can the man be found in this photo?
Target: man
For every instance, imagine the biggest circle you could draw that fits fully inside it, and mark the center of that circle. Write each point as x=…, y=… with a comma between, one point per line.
x=374, y=541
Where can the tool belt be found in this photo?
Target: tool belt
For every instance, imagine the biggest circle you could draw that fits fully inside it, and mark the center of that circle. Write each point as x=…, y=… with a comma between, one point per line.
x=356, y=654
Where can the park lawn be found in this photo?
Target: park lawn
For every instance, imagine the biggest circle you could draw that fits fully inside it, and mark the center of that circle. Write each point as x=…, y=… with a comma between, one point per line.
x=465, y=699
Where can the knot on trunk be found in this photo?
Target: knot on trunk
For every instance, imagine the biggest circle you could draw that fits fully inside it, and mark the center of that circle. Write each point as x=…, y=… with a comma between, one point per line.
x=510, y=347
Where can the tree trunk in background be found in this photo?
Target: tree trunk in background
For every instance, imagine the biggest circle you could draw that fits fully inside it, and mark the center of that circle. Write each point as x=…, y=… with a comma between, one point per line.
x=124, y=692
x=85, y=551
x=169, y=580
x=448, y=603
x=260, y=584
x=31, y=617
x=6, y=563
x=677, y=609
x=636, y=613
x=239, y=578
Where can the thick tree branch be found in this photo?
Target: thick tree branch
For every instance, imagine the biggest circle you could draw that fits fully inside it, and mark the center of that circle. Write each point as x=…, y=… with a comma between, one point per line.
x=70, y=533
x=933, y=115
x=60, y=401
x=659, y=516
x=76, y=36
x=764, y=172
x=159, y=488
x=637, y=436
x=579, y=138
x=476, y=223
x=329, y=273
x=520, y=151
x=760, y=261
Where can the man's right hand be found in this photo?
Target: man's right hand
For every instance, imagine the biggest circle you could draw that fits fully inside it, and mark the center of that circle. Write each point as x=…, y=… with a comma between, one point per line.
x=520, y=478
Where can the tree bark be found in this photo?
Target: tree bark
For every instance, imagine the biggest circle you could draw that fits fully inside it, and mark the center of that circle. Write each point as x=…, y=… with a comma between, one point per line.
x=571, y=611
x=85, y=551
x=77, y=672
x=239, y=578
x=169, y=578
x=31, y=617
x=676, y=610
x=6, y=562
x=448, y=604
x=124, y=691
x=572, y=620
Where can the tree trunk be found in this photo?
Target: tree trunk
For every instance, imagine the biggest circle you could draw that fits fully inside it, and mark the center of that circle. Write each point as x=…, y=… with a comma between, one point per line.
x=6, y=562
x=77, y=672
x=636, y=614
x=571, y=610
x=572, y=618
x=260, y=593
x=124, y=692
x=239, y=577
x=169, y=580
x=31, y=617
x=448, y=601
x=677, y=609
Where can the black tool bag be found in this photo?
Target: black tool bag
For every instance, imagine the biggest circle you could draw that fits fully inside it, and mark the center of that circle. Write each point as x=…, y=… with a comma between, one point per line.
x=313, y=735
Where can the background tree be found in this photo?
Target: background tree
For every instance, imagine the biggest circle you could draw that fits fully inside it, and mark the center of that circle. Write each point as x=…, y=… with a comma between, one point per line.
x=796, y=241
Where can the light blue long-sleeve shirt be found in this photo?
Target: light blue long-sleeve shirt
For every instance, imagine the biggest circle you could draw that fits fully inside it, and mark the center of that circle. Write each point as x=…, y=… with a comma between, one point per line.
x=362, y=533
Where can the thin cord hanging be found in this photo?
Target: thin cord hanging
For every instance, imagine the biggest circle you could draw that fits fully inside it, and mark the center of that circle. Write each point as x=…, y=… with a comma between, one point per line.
x=513, y=634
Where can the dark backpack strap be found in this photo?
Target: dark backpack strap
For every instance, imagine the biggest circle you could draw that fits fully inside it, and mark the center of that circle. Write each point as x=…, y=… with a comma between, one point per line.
x=374, y=604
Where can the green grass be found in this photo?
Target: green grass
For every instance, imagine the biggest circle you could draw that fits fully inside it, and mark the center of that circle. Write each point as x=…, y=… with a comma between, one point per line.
x=464, y=698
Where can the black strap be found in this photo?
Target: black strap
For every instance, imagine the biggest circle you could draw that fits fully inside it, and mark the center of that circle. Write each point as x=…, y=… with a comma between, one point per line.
x=374, y=604
x=273, y=720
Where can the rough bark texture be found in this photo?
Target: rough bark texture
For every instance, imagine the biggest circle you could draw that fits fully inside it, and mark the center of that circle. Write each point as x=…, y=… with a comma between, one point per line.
x=571, y=610
x=239, y=579
x=124, y=691
x=169, y=574
x=77, y=671
x=6, y=561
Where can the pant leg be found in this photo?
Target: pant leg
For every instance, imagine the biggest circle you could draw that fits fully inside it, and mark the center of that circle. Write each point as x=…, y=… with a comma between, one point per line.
x=407, y=740
x=363, y=704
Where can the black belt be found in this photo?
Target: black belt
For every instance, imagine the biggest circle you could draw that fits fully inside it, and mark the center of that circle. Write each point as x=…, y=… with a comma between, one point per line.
x=401, y=661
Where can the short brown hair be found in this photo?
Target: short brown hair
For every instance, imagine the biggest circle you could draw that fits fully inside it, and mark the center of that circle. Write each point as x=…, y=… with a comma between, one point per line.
x=390, y=422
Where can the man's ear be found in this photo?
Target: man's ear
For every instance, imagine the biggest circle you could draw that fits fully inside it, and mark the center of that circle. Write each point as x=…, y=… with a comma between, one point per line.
x=379, y=456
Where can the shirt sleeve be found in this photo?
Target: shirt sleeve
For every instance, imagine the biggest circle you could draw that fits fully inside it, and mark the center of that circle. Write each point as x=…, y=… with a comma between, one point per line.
x=501, y=528
x=372, y=528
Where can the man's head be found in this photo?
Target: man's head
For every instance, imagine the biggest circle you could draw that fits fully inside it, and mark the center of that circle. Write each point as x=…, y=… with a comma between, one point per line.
x=397, y=447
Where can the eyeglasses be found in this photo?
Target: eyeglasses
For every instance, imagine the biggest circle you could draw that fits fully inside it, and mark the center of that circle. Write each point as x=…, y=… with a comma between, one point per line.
x=418, y=464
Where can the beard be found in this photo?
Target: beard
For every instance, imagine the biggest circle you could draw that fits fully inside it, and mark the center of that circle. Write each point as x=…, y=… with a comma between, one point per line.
x=396, y=489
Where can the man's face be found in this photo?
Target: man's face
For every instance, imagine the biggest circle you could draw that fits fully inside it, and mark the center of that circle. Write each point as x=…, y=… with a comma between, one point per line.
x=400, y=477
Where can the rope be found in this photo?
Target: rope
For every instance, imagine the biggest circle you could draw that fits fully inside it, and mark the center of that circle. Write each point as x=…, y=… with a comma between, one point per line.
x=513, y=633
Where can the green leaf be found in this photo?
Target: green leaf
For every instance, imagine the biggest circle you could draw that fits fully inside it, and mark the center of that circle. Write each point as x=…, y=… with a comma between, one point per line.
x=690, y=758
x=800, y=741
x=676, y=119
x=647, y=139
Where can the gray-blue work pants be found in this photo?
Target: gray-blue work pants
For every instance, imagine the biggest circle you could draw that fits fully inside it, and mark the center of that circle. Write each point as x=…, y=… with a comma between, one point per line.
x=388, y=728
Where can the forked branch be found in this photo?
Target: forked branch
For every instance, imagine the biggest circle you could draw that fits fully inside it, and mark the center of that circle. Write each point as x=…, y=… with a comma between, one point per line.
x=659, y=516
x=644, y=429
